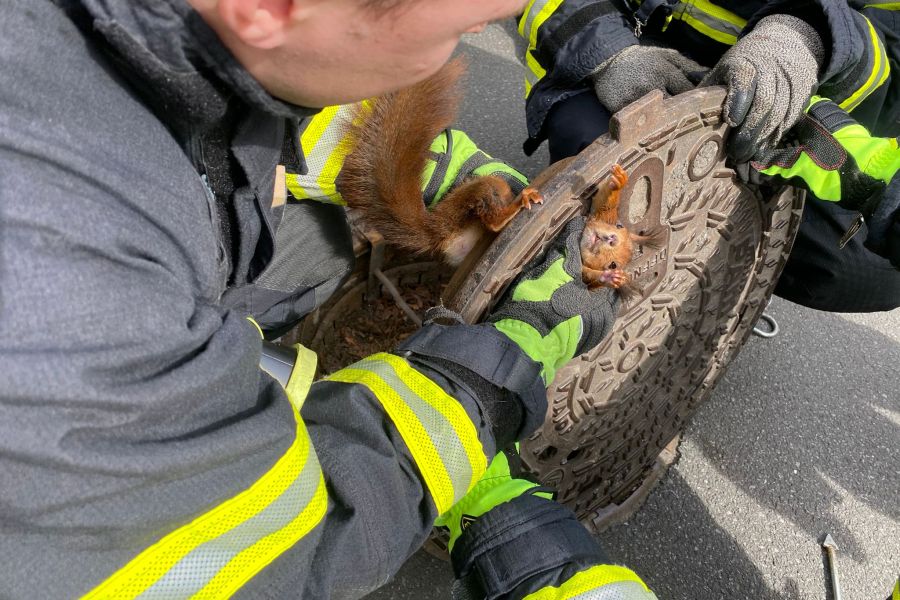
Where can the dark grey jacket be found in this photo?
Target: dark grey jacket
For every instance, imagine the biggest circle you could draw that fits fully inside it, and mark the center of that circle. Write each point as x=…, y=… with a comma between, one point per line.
x=140, y=444
x=570, y=41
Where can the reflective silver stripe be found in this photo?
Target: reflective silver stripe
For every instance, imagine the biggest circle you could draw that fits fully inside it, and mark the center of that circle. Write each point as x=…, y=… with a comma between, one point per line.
x=189, y=575
x=442, y=435
x=322, y=153
x=622, y=590
x=701, y=15
x=533, y=12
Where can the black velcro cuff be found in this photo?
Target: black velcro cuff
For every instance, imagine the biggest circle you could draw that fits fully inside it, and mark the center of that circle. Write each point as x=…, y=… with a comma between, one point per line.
x=830, y=115
x=526, y=538
x=492, y=356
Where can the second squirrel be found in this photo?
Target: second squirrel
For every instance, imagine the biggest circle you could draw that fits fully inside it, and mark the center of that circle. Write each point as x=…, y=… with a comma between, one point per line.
x=381, y=175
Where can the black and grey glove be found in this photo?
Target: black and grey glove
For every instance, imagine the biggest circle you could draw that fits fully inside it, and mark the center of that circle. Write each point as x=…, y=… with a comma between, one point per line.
x=771, y=73
x=838, y=160
x=549, y=312
x=638, y=70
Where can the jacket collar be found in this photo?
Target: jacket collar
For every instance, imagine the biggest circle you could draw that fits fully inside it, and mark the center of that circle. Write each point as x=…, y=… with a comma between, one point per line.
x=178, y=63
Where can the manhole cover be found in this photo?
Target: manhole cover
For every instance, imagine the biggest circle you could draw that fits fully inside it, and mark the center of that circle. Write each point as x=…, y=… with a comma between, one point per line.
x=613, y=410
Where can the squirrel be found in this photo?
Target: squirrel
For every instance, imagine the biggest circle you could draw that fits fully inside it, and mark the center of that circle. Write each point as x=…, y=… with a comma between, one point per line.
x=381, y=176
x=606, y=245
x=391, y=137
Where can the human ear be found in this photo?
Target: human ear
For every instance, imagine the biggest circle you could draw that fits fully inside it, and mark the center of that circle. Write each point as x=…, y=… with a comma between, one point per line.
x=258, y=23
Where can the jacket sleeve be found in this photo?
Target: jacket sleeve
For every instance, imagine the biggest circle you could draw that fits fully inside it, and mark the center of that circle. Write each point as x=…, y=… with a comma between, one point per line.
x=564, y=41
x=532, y=548
x=142, y=450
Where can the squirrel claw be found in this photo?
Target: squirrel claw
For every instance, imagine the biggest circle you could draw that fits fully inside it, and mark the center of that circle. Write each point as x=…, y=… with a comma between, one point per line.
x=618, y=178
x=530, y=196
x=614, y=278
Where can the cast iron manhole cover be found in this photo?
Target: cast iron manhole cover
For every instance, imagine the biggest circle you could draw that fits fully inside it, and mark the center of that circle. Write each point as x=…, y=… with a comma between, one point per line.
x=613, y=410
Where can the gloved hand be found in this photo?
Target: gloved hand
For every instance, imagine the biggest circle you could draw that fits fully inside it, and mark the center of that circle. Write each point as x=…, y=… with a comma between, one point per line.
x=638, y=70
x=495, y=487
x=837, y=159
x=771, y=74
x=549, y=311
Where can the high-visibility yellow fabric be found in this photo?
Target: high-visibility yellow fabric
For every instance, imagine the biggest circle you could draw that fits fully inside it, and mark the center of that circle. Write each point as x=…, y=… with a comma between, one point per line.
x=884, y=5
x=241, y=527
x=881, y=70
x=302, y=376
x=536, y=13
x=588, y=580
x=438, y=433
x=256, y=325
x=222, y=549
x=711, y=20
x=326, y=142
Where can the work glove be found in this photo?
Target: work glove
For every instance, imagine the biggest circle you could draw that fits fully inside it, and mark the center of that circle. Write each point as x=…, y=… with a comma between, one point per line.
x=637, y=70
x=549, y=312
x=495, y=487
x=838, y=160
x=770, y=74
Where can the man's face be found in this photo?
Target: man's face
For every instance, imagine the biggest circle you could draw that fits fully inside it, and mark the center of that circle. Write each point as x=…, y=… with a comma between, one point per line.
x=342, y=51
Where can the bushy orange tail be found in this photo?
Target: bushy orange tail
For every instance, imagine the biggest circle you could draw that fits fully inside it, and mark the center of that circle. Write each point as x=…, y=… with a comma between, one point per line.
x=391, y=140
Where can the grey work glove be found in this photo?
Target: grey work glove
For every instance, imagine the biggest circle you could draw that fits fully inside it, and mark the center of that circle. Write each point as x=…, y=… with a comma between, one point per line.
x=638, y=70
x=549, y=312
x=771, y=73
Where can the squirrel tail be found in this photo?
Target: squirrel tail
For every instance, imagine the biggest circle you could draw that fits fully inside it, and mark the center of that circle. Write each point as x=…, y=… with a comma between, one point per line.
x=391, y=137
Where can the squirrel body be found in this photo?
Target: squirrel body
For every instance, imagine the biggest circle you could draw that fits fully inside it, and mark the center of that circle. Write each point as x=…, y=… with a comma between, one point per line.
x=607, y=246
x=381, y=177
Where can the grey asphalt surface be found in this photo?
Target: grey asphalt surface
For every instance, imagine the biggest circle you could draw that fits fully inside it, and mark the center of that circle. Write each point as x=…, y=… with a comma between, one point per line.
x=801, y=438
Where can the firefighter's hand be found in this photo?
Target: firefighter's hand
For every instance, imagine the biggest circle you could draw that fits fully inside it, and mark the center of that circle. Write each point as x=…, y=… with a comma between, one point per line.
x=637, y=70
x=549, y=312
x=770, y=74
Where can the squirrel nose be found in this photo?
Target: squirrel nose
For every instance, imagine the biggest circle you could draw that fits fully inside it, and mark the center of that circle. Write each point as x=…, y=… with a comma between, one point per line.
x=611, y=239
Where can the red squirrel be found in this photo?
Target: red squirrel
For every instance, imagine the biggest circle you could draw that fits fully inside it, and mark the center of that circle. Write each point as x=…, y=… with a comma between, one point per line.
x=391, y=139
x=606, y=245
x=381, y=176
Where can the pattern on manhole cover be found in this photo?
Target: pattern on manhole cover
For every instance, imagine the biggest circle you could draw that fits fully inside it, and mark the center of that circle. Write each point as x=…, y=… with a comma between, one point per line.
x=614, y=409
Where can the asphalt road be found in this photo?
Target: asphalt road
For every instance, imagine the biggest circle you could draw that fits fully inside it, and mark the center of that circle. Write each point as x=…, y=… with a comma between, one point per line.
x=800, y=438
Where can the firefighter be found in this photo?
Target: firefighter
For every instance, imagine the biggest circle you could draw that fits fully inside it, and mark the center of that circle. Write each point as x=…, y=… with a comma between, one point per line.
x=144, y=258
x=586, y=59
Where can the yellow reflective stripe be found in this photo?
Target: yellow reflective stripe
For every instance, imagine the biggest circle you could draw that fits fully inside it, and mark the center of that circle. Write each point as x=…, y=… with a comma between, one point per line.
x=302, y=376
x=884, y=6
x=523, y=20
x=589, y=580
x=880, y=66
x=711, y=20
x=428, y=456
x=548, y=9
x=248, y=550
x=324, y=144
x=292, y=180
x=536, y=13
x=719, y=13
x=316, y=129
x=535, y=71
x=255, y=324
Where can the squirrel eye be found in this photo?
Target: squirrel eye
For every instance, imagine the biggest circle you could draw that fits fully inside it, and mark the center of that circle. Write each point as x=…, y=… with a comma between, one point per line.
x=619, y=226
x=613, y=265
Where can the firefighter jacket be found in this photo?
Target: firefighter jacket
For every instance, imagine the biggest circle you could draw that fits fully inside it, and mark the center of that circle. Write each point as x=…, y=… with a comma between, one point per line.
x=143, y=453
x=567, y=39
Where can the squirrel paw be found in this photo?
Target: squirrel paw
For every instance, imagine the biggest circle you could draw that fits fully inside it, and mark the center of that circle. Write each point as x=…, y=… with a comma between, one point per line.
x=618, y=179
x=614, y=278
x=530, y=196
